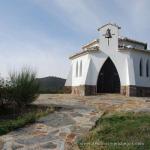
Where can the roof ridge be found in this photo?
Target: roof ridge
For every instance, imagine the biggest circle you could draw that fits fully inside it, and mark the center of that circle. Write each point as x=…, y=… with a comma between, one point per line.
x=109, y=23
x=132, y=40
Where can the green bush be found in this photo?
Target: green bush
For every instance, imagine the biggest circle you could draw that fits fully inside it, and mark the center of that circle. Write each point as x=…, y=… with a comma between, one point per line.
x=5, y=92
x=24, y=86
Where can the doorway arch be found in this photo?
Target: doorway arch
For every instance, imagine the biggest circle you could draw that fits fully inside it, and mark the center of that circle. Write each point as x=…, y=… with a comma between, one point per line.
x=108, y=79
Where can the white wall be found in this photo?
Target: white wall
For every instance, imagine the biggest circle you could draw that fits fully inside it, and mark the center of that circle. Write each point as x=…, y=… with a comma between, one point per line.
x=97, y=60
x=69, y=78
x=93, y=62
x=126, y=62
x=119, y=58
x=80, y=80
x=140, y=80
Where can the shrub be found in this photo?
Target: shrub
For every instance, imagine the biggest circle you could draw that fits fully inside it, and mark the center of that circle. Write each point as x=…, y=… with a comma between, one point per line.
x=24, y=86
x=5, y=92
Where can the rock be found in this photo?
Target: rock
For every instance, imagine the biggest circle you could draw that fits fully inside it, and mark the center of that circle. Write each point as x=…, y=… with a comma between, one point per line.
x=17, y=146
x=76, y=114
x=40, y=130
x=49, y=145
x=36, y=139
x=62, y=134
x=94, y=119
x=70, y=138
x=78, y=129
x=57, y=120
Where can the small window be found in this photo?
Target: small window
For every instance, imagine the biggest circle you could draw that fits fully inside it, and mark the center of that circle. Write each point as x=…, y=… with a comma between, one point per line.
x=80, y=68
x=147, y=68
x=77, y=69
x=141, y=67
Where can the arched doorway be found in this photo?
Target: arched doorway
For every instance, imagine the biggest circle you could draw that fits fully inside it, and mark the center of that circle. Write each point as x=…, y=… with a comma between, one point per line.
x=108, y=79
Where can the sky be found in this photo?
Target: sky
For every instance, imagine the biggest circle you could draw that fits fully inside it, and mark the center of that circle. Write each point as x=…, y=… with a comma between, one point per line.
x=42, y=34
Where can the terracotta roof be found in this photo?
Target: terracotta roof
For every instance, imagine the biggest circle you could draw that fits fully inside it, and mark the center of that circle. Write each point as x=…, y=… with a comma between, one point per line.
x=89, y=50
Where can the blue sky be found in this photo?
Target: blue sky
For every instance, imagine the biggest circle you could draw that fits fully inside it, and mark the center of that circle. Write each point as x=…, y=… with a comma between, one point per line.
x=42, y=34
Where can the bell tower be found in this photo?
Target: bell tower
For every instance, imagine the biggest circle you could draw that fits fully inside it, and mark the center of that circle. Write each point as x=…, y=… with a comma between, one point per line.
x=109, y=34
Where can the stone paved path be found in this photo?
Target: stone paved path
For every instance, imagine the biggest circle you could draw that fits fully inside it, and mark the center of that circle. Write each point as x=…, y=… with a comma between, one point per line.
x=57, y=131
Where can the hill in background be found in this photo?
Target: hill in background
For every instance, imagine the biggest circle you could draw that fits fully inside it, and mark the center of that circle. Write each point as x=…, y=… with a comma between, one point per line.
x=51, y=84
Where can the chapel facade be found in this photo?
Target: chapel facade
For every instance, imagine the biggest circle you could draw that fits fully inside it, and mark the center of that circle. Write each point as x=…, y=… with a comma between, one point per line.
x=110, y=64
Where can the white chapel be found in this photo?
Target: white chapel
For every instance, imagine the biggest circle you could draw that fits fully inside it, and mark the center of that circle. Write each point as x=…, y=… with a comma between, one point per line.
x=110, y=64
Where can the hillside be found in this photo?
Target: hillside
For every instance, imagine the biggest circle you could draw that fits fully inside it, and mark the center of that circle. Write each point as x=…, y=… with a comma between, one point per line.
x=51, y=84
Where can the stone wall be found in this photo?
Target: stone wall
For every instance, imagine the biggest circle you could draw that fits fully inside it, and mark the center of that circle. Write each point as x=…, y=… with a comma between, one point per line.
x=133, y=90
x=130, y=90
x=84, y=90
x=67, y=89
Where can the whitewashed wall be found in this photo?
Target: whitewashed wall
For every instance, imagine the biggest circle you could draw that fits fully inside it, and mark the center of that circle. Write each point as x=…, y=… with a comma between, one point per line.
x=140, y=80
x=80, y=80
x=119, y=59
x=126, y=62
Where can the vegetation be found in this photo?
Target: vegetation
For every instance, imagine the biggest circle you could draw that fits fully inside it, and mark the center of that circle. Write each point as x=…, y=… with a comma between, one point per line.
x=24, y=86
x=26, y=116
x=21, y=89
x=124, y=131
x=16, y=96
x=51, y=85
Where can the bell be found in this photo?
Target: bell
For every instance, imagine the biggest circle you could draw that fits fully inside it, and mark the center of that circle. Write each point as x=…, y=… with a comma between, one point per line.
x=108, y=34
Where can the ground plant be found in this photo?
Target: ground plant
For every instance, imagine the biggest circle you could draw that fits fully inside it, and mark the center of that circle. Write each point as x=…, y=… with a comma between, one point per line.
x=16, y=95
x=119, y=131
x=27, y=115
